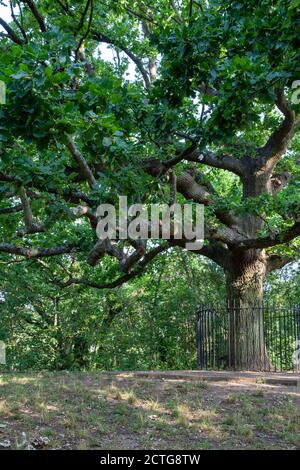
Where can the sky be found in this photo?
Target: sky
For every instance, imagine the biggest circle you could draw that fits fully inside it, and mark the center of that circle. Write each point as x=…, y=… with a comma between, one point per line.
x=4, y=14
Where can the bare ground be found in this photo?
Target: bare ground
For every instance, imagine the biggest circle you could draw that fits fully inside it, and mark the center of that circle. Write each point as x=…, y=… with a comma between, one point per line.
x=71, y=410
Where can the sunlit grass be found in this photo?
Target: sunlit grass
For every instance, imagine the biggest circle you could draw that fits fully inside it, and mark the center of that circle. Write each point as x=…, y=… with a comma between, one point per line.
x=83, y=411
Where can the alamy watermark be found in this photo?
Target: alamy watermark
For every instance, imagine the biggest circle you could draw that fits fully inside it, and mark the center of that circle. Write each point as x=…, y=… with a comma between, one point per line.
x=157, y=221
x=2, y=353
x=2, y=92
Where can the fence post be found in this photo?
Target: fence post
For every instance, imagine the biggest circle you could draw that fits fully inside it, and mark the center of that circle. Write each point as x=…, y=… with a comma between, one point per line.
x=200, y=340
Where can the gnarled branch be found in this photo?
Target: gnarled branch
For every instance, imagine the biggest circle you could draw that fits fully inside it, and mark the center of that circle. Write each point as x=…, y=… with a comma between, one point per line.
x=190, y=188
x=271, y=240
x=30, y=225
x=225, y=162
x=279, y=140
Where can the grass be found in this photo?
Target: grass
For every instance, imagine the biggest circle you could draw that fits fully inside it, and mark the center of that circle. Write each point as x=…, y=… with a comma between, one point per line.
x=107, y=411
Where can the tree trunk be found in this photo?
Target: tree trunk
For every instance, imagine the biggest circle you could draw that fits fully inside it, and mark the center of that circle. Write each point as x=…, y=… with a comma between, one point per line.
x=245, y=276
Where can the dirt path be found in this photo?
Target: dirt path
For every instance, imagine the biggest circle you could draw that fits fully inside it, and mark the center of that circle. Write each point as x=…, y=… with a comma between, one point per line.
x=271, y=378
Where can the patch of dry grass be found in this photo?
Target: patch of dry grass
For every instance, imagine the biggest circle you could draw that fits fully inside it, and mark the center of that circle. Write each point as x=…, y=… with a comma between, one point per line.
x=105, y=411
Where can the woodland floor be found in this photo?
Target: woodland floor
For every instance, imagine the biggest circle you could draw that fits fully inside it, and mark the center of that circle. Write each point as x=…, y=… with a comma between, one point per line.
x=120, y=411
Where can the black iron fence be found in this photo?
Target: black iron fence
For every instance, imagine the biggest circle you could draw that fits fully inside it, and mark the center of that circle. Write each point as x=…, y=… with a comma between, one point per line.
x=261, y=337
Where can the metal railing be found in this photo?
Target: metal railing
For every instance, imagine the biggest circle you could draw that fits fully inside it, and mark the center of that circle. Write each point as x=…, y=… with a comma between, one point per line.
x=263, y=337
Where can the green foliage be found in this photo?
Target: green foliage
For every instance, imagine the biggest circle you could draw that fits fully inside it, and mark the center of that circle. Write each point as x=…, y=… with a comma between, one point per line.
x=147, y=324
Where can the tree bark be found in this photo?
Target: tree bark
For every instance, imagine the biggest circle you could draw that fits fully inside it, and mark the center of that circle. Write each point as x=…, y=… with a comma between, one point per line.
x=245, y=276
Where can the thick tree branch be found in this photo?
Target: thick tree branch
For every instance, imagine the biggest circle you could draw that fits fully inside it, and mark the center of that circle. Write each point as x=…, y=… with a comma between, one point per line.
x=130, y=261
x=191, y=153
x=177, y=17
x=138, y=62
x=278, y=262
x=82, y=163
x=9, y=178
x=83, y=16
x=85, y=211
x=102, y=248
x=39, y=18
x=80, y=48
x=278, y=181
x=225, y=162
x=271, y=240
x=30, y=225
x=19, y=25
x=28, y=217
x=139, y=269
x=215, y=251
x=107, y=247
x=11, y=210
x=190, y=189
x=140, y=15
x=182, y=154
x=74, y=196
x=281, y=137
x=10, y=32
x=230, y=236
x=65, y=7
x=97, y=252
